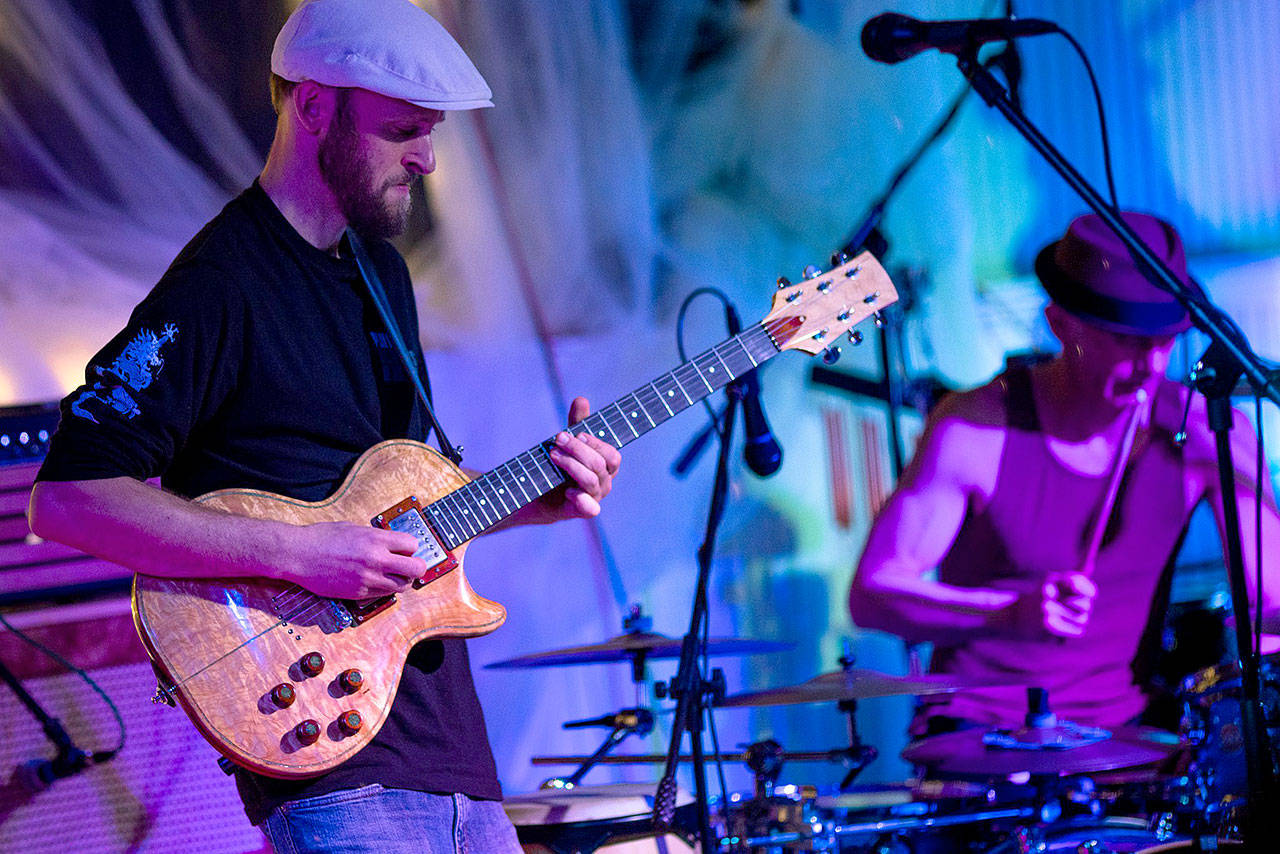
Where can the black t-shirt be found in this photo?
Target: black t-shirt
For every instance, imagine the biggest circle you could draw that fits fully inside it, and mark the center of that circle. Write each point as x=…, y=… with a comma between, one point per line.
x=259, y=361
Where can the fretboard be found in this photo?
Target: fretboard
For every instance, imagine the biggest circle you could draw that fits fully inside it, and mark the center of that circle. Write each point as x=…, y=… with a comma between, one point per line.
x=493, y=496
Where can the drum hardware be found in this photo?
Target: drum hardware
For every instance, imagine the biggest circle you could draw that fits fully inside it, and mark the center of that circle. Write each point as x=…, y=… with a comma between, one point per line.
x=769, y=810
x=611, y=819
x=965, y=754
x=1211, y=724
x=637, y=647
x=1044, y=747
x=624, y=723
x=856, y=684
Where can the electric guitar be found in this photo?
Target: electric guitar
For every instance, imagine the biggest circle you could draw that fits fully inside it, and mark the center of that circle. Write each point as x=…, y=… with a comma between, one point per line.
x=289, y=684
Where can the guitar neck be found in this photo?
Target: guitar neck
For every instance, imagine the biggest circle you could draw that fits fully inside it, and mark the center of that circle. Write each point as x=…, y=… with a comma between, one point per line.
x=493, y=496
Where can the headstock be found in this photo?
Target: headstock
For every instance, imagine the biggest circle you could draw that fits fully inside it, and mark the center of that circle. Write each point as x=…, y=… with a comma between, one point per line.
x=812, y=314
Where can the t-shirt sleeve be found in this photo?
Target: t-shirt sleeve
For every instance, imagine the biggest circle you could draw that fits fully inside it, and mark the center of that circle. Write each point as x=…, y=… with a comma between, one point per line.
x=158, y=380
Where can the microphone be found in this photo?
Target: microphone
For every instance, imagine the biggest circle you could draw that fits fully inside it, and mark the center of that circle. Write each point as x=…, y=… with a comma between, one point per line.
x=762, y=452
x=640, y=720
x=892, y=38
x=1009, y=61
x=36, y=775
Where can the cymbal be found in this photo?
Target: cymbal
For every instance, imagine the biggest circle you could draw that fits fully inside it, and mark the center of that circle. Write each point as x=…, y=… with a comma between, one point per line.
x=854, y=684
x=632, y=645
x=964, y=754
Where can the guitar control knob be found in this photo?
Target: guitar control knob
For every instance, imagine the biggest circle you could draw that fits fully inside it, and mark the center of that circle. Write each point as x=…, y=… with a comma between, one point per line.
x=283, y=695
x=350, y=722
x=350, y=681
x=307, y=732
x=311, y=664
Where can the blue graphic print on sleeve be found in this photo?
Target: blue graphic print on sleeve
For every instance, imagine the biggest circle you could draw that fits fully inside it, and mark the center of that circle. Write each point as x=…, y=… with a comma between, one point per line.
x=132, y=371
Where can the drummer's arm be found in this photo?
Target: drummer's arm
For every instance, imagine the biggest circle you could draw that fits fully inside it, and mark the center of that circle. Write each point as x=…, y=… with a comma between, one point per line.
x=955, y=464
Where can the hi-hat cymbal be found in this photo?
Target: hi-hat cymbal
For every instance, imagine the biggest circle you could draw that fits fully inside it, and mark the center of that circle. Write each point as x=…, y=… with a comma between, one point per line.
x=965, y=754
x=633, y=645
x=853, y=684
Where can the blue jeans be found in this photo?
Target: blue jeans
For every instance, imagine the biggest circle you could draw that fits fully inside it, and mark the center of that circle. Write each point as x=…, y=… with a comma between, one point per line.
x=390, y=821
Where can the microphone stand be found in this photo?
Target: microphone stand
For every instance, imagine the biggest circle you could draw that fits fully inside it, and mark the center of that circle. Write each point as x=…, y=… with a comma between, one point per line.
x=1227, y=358
x=69, y=757
x=691, y=691
x=642, y=725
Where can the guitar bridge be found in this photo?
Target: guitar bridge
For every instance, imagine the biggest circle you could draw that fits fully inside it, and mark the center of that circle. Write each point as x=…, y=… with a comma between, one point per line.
x=408, y=516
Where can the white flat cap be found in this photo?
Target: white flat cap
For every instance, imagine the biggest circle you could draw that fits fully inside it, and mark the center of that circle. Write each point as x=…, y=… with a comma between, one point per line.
x=386, y=46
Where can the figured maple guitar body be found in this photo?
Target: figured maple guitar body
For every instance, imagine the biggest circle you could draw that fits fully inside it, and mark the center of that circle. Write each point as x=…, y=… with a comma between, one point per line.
x=224, y=645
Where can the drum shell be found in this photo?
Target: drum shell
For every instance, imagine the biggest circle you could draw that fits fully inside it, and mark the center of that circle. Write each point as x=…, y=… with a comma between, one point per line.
x=615, y=819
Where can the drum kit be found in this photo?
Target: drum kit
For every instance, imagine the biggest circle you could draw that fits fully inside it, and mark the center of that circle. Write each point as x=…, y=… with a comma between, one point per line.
x=1049, y=786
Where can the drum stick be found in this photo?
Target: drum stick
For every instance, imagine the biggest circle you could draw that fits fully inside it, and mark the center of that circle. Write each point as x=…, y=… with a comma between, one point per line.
x=1140, y=410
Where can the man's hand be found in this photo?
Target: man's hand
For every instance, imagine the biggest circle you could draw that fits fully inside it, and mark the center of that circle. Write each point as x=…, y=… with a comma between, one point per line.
x=343, y=560
x=1066, y=602
x=590, y=463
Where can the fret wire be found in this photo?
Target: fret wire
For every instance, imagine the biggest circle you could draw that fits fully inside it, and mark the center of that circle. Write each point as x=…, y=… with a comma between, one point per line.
x=491, y=483
x=513, y=483
x=479, y=507
x=767, y=347
x=690, y=374
x=442, y=524
x=698, y=371
x=644, y=396
x=468, y=518
x=509, y=501
x=675, y=376
x=740, y=340
x=617, y=443
x=460, y=519
x=532, y=473
x=625, y=419
x=518, y=478
x=555, y=478
x=702, y=374
x=716, y=352
x=661, y=399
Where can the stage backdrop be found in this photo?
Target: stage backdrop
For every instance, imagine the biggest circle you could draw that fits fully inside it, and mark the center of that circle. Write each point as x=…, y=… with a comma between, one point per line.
x=638, y=151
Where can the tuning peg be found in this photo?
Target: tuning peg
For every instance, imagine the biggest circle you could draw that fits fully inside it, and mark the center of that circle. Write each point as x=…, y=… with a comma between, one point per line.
x=879, y=319
x=831, y=355
x=783, y=282
x=855, y=336
x=839, y=258
x=812, y=271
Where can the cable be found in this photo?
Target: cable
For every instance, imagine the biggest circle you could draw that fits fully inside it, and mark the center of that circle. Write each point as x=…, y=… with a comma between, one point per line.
x=684, y=307
x=1102, y=117
x=98, y=755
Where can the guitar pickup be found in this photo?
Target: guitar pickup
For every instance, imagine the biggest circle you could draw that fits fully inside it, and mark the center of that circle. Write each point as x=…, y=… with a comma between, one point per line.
x=408, y=516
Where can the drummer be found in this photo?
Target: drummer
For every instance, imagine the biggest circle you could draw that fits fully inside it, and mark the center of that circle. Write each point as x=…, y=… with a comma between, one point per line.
x=1052, y=501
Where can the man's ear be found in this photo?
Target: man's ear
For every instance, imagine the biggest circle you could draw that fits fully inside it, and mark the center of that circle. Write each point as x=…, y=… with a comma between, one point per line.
x=313, y=105
x=1059, y=321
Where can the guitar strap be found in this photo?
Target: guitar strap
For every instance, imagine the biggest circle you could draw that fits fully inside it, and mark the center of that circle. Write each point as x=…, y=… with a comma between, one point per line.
x=374, y=284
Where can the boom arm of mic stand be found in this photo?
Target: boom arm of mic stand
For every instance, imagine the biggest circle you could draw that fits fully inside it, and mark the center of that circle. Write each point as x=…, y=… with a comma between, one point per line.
x=1233, y=355
x=612, y=740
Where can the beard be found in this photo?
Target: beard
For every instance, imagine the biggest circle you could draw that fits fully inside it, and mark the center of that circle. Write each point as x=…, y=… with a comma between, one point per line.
x=344, y=165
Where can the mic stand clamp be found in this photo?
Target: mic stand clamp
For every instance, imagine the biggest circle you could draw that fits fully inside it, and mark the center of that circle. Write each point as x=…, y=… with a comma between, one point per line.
x=642, y=726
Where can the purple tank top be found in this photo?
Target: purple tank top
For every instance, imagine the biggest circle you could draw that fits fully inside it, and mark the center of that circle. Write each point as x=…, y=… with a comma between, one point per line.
x=1039, y=521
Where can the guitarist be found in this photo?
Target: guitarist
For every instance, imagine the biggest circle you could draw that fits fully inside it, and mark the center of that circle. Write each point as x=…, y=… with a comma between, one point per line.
x=259, y=361
x=1052, y=500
